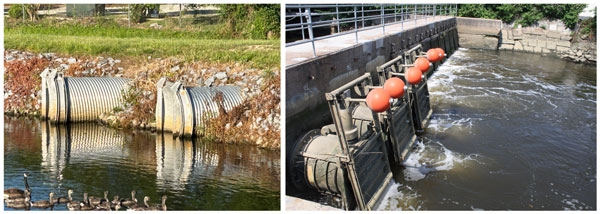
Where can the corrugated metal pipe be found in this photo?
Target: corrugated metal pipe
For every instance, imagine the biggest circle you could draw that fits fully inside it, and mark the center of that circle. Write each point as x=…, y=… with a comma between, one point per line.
x=73, y=99
x=184, y=110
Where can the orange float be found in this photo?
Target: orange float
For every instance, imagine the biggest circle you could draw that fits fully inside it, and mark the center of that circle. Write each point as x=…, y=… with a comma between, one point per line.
x=432, y=55
x=394, y=87
x=441, y=52
x=413, y=75
x=378, y=100
x=422, y=64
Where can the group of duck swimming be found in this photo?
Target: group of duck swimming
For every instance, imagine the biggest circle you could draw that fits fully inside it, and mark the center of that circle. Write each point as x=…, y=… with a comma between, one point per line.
x=21, y=199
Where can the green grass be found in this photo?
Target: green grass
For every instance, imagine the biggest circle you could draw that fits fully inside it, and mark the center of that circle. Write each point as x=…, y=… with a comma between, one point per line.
x=107, y=38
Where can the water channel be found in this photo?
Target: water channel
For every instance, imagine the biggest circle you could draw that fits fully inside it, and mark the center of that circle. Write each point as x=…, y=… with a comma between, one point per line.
x=87, y=157
x=509, y=131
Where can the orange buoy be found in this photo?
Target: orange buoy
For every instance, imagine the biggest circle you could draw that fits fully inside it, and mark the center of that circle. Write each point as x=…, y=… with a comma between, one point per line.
x=378, y=100
x=432, y=55
x=441, y=52
x=422, y=64
x=413, y=75
x=394, y=87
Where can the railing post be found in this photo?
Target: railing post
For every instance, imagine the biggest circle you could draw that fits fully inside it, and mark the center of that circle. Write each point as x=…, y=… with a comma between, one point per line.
x=310, y=31
x=383, y=18
x=337, y=14
x=362, y=10
x=355, y=26
x=402, y=17
x=415, y=14
x=301, y=23
x=456, y=10
x=395, y=13
x=426, y=13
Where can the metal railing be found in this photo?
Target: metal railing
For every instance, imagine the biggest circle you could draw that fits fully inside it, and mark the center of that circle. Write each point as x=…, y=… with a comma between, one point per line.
x=312, y=22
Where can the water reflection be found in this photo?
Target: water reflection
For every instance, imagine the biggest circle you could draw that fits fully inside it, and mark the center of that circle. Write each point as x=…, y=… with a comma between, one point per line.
x=87, y=157
x=76, y=142
x=178, y=160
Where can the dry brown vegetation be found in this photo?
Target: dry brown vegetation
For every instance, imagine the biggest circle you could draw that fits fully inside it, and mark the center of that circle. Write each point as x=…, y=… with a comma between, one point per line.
x=22, y=82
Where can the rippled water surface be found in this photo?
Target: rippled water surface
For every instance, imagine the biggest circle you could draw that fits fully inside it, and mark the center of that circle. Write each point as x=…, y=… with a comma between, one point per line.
x=509, y=131
x=195, y=175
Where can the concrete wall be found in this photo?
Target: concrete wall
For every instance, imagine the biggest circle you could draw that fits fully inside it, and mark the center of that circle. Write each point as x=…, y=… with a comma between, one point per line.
x=535, y=39
x=307, y=83
x=479, y=33
x=548, y=37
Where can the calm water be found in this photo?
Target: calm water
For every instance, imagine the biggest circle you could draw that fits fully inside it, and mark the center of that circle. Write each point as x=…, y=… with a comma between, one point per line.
x=90, y=158
x=509, y=131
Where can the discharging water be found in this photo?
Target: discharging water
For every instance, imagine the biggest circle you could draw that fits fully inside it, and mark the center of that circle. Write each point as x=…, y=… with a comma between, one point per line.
x=90, y=158
x=509, y=131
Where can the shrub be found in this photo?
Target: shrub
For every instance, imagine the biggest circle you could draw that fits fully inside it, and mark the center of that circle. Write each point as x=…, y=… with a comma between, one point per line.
x=15, y=11
x=524, y=14
x=253, y=21
x=139, y=12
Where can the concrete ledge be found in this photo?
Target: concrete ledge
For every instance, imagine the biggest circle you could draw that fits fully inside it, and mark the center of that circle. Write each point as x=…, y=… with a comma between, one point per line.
x=478, y=41
x=297, y=204
x=478, y=26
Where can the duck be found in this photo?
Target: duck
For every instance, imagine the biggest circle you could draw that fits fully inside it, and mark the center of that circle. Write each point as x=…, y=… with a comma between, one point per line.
x=74, y=205
x=85, y=204
x=20, y=203
x=117, y=206
x=44, y=204
x=13, y=193
x=141, y=208
x=115, y=201
x=164, y=203
x=63, y=200
x=96, y=201
x=129, y=202
x=162, y=206
x=105, y=202
x=104, y=206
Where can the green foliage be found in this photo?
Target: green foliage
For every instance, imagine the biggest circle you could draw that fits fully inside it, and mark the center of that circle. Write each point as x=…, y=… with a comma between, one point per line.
x=131, y=96
x=15, y=11
x=477, y=11
x=588, y=26
x=254, y=21
x=266, y=23
x=524, y=14
x=530, y=15
x=139, y=12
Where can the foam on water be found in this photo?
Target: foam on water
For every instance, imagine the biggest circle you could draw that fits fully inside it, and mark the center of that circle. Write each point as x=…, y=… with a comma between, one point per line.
x=399, y=197
x=429, y=157
x=541, y=84
x=443, y=122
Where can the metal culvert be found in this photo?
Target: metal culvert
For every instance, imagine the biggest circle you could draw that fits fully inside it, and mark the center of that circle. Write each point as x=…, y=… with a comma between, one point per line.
x=184, y=110
x=74, y=99
x=168, y=107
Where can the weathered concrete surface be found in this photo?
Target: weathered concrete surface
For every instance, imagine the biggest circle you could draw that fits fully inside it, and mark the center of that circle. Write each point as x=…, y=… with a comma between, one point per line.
x=476, y=26
x=340, y=60
x=297, y=204
x=479, y=33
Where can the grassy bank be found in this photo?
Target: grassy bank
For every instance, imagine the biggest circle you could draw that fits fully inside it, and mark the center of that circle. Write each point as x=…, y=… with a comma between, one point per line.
x=110, y=38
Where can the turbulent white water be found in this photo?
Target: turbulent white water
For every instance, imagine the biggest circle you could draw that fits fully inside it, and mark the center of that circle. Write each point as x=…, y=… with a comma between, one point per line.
x=509, y=131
